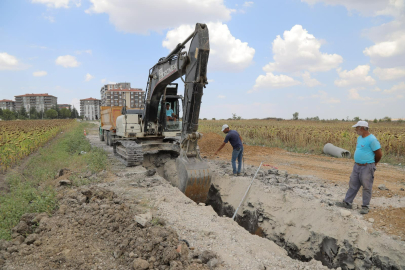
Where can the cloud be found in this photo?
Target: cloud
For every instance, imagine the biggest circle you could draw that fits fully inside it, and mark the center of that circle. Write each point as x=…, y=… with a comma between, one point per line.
x=103, y=81
x=10, y=62
x=396, y=88
x=51, y=19
x=67, y=61
x=366, y=7
x=248, y=4
x=227, y=53
x=356, y=77
x=324, y=98
x=308, y=81
x=298, y=51
x=387, y=74
x=130, y=16
x=221, y=96
x=354, y=95
x=88, y=77
x=58, y=3
x=39, y=73
x=271, y=81
x=84, y=51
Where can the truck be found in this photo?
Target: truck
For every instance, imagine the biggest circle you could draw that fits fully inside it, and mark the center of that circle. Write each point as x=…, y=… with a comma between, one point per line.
x=136, y=132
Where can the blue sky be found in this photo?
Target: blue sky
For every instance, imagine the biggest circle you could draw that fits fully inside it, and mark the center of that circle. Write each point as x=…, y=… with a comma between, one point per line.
x=326, y=58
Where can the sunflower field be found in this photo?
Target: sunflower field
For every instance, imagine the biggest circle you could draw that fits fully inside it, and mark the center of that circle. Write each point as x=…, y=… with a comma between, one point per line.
x=18, y=139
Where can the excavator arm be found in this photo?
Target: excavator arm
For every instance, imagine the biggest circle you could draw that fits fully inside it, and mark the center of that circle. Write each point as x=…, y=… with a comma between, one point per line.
x=194, y=174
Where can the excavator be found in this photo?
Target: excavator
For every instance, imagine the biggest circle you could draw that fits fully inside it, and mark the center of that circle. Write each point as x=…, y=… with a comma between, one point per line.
x=140, y=132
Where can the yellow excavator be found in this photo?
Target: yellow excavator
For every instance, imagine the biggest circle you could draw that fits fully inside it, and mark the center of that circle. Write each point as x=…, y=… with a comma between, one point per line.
x=158, y=128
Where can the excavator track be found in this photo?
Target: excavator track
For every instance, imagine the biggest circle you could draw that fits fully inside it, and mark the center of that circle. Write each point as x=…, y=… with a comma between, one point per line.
x=129, y=151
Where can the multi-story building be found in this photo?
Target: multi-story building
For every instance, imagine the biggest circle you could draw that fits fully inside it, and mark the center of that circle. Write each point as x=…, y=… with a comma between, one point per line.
x=133, y=98
x=107, y=87
x=65, y=106
x=7, y=104
x=41, y=102
x=90, y=108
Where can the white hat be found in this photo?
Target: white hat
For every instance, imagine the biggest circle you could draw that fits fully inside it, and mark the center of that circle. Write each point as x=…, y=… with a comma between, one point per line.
x=361, y=124
x=224, y=127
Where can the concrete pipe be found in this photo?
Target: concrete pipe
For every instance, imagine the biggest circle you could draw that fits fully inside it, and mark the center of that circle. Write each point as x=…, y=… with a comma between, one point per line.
x=332, y=150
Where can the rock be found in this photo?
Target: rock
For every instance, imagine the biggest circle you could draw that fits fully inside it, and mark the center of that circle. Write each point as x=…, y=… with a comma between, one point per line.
x=22, y=228
x=28, y=217
x=169, y=254
x=402, y=189
x=31, y=239
x=345, y=213
x=183, y=250
x=212, y=263
x=382, y=187
x=65, y=182
x=371, y=220
x=86, y=192
x=18, y=240
x=206, y=256
x=142, y=219
x=151, y=172
x=81, y=199
x=38, y=217
x=201, y=204
x=140, y=264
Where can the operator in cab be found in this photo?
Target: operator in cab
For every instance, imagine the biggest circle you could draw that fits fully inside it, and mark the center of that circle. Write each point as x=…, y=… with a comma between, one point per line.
x=169, y=113
x=235, y=140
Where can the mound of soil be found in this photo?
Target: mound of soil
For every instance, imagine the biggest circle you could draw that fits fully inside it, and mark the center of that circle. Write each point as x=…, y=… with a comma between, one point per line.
x=94, y=229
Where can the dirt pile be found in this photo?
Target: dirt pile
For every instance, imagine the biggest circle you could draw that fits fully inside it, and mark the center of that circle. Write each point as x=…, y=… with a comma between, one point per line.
x=95, y=229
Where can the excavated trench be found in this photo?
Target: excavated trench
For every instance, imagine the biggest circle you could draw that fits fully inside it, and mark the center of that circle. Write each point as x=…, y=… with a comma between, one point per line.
x=302, y=242
x=326, y=249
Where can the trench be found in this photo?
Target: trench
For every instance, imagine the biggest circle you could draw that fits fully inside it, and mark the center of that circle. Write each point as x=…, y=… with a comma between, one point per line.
x=323, y=248
x=330, y=252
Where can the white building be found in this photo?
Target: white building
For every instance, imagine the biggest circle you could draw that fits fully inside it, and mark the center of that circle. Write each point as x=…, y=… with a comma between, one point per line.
x=6, y=104
x=90, y=108
x=124, y=85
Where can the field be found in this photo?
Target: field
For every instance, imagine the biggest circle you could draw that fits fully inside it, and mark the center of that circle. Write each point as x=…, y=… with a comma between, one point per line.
x=311, y=136
x=20, y=138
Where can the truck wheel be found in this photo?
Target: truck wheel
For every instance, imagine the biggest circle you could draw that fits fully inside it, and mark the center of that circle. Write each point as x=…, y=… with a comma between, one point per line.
x=110, y=141
x=106, y=136
x=101, y=135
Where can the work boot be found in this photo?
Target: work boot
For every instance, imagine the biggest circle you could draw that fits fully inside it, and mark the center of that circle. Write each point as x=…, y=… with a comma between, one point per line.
x=344, y=205
x=239, y=174
x=364, y=210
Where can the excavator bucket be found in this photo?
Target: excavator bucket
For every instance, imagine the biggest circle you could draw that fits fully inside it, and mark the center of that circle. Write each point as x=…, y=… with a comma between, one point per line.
x=194, y=178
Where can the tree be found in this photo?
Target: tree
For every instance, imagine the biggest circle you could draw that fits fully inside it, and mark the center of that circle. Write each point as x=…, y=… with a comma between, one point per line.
x=387, y=119
x=64, y=113
x=213, y=119
x=74, y=114
x=235, y=117
x=1, y=112
x=51, y=113
x=8, y=115
x=22, y=113
x=295, y=116
x=356, y=118
x=375, y=120
x=33, y=113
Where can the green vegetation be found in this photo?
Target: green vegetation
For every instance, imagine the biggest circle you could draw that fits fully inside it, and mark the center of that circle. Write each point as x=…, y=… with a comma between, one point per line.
x=32, y=187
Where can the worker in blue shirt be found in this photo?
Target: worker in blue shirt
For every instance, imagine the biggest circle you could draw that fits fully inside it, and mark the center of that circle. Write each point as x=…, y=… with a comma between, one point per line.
x=235, y=140
x=169, y=113
x=368, y=154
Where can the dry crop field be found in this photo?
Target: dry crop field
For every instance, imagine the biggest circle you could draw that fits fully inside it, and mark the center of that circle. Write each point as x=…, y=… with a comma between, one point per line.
x=20, y=138
x=311, y=136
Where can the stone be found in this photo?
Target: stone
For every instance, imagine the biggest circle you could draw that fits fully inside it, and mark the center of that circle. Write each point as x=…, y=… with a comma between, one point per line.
x=142, y=219
x=140, y=264
x=38, y=217
x=22, y=228
x=402, y=189
x=151, y=172
x=382, y=187
x=206, y=256
x=65, y=182
x=18, y=240
x=345, y=213
x=371, y=220
x=31, y=238
x=212, y=263
x=169, y=254
x=201, y=204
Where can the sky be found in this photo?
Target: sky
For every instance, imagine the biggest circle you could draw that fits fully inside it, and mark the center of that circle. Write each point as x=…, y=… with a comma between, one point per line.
x=269, y=58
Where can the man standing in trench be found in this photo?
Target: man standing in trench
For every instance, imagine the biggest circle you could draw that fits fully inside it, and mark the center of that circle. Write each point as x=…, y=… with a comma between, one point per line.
x=236, y=141
x=368, y=154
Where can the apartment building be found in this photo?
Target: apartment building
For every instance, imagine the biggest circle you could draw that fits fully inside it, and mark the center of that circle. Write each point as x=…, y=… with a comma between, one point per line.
x=41, y=102
x=7, y=104
x=133, y=98
x=124, y=85
x=65, y=106
x=90, y=108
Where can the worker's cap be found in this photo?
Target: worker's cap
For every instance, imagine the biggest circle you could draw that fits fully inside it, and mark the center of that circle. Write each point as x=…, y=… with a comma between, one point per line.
x=224, y=127
x=361, y=124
